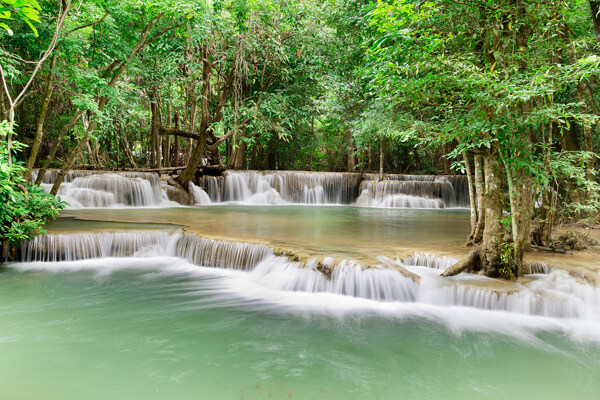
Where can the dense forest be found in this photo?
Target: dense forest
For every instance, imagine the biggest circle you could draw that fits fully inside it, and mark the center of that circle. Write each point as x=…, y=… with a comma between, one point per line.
x=503, y=91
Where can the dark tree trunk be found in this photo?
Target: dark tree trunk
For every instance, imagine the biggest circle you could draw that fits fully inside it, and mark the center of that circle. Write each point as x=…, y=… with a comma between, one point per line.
x=595, y=11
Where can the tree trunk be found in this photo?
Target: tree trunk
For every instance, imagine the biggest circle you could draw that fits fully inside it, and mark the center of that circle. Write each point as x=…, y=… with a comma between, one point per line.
x=493, y=233
x=445, y=160
x=166, y=142
x=176, y=160
x=546, y=214
x=56, y=145
x=238, y=152
x=472, y=199
x=76, y=152
x=37, y=140
x=350, y=146
x=480, y=194
x=128, y=150
x=381, y=158
x=595, y=11
x=196, y=157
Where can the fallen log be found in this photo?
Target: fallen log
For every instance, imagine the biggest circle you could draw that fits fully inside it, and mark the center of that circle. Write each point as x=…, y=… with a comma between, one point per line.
x=550, y=249
x=166, y=169
x=469, y=262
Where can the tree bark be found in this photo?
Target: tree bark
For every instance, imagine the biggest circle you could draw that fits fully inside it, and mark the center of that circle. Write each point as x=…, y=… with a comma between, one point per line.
x=381, y=158
x=350, y=146
x=472, y=199
x=196, y=157
x=480, y=194
x=37, y=140
x=470, y=262
x=128, y=150
x=56, y=145
x=595, y=11
x=493, y=232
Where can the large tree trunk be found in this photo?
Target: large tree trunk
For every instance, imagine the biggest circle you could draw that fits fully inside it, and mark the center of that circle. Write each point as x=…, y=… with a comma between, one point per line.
x=238, y=153
x=493, y=233
x=196, y=157
x=595, y=11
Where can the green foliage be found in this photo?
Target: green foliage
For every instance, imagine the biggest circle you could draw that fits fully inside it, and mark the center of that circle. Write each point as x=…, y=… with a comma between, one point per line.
x=26, y=208
x=20, y=10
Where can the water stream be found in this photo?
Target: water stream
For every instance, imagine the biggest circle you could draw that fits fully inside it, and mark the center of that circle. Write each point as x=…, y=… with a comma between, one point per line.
x=128, y=297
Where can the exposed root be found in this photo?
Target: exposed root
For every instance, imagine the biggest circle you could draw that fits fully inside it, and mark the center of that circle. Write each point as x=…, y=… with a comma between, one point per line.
x=470, y=262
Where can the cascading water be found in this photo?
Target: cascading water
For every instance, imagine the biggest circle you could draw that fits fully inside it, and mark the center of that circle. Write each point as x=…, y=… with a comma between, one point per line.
x=413, y=191
x=199, y=251
x=278, y=187
x=556, y=294
x=88, y=189
x=283, y=187
x=213, y=186
x=199, y=196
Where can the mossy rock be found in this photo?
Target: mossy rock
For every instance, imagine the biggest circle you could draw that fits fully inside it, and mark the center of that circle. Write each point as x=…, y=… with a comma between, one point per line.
x=177, y=194
x=572, y=240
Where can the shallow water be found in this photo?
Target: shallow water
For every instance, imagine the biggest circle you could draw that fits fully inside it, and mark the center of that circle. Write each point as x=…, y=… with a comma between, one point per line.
x=153, y=326
x=360, y=233
x=145, y=328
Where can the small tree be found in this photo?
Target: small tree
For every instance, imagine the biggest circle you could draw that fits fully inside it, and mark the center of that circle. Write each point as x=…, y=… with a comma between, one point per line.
x=25, y=207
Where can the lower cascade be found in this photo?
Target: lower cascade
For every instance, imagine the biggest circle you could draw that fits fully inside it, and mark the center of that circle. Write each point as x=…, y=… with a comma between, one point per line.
x=553, y=294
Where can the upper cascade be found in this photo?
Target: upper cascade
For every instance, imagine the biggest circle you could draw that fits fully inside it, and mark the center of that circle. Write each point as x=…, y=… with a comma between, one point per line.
x=279, y=187
x=414, y=191
x=552, y=294
x=365, y=190
x=90, y=189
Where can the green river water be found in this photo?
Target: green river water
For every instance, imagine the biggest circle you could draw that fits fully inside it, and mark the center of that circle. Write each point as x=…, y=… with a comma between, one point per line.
x=161, y=328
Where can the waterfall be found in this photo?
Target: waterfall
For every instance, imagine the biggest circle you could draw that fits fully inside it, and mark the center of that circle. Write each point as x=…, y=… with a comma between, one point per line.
x=285, y=187
x=199, y=195
x=555, y=294
x=89, y=189
x=348, y=278
x=414, y=191
x=199, y=251
x=279, y=187
x=213, y=186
